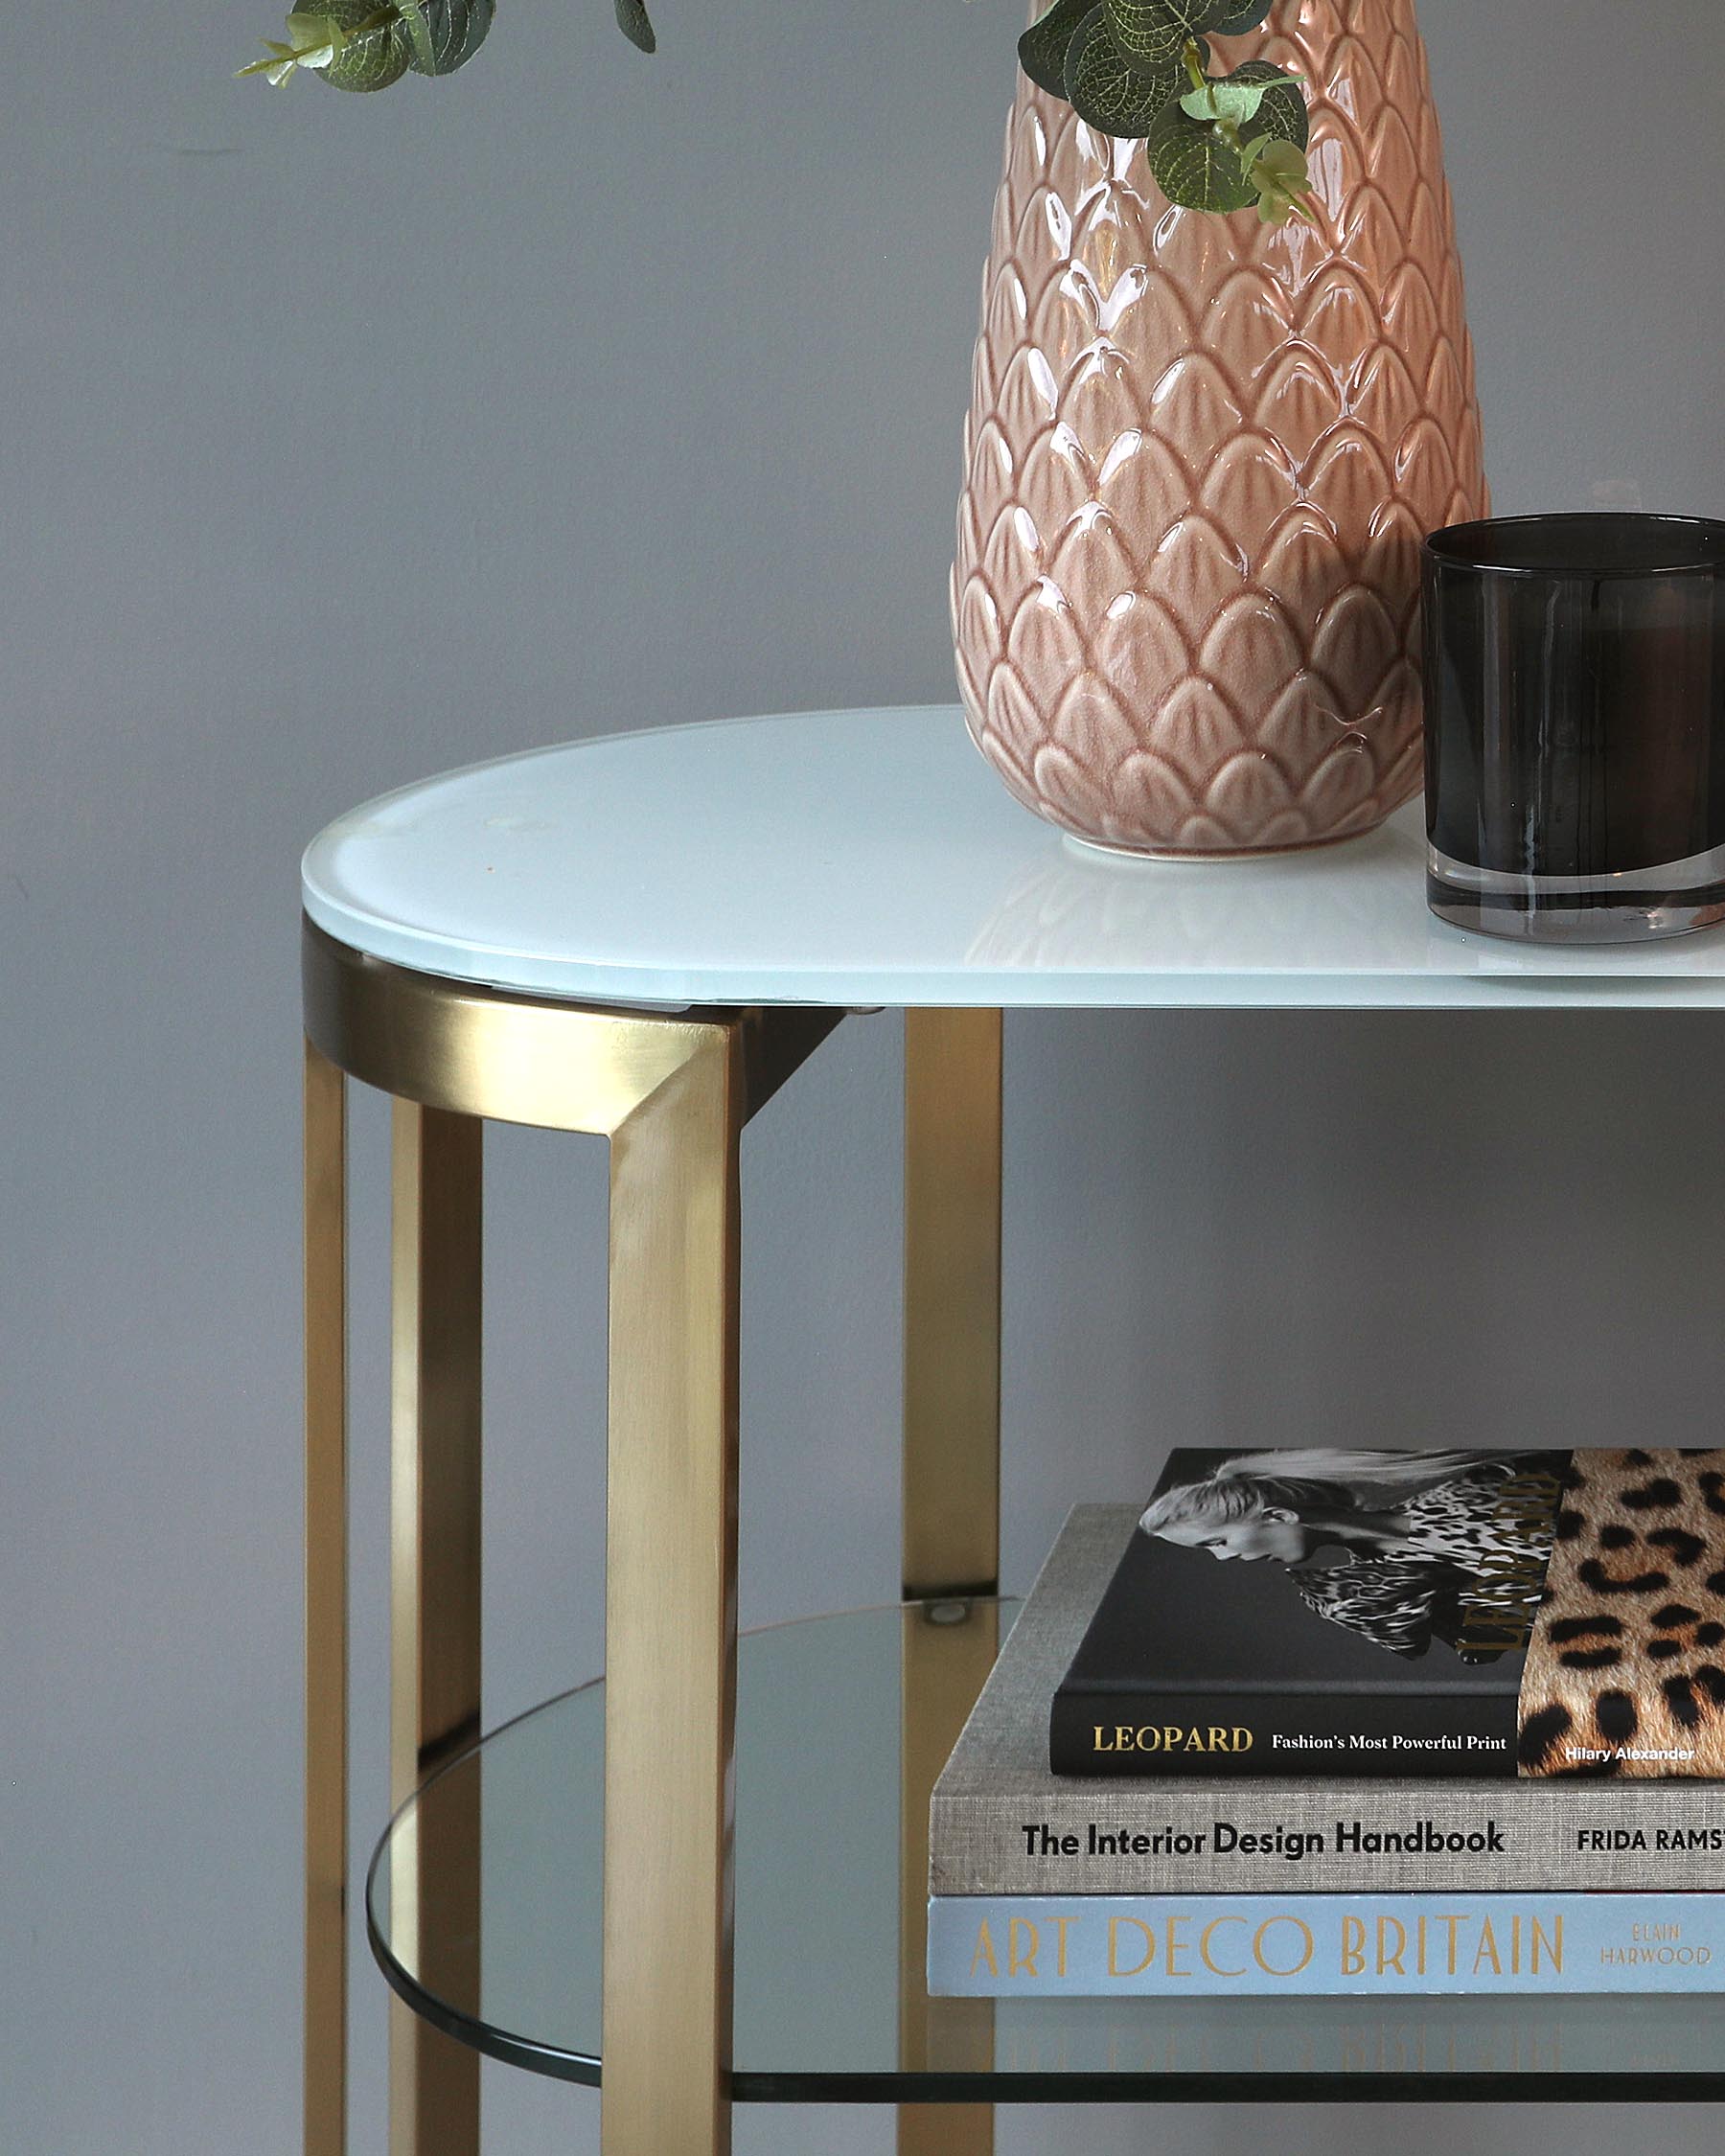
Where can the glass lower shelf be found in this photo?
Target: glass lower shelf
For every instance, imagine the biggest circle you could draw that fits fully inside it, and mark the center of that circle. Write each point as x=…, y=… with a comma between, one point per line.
x=483, y=1904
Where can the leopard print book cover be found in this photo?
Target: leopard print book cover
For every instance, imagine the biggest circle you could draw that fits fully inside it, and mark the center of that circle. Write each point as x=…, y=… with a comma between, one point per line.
x=1625, y=1670
x=1472, y=1571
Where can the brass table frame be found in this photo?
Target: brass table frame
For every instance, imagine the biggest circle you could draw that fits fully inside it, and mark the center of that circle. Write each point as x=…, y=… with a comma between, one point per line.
x=672, y=1091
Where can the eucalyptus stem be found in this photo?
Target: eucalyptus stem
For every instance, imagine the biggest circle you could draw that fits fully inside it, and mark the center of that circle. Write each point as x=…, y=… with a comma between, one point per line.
x=1272, y=166
x=1224, y=124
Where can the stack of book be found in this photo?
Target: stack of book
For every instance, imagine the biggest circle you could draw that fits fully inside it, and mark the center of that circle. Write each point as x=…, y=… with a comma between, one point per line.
x=1340, y=1722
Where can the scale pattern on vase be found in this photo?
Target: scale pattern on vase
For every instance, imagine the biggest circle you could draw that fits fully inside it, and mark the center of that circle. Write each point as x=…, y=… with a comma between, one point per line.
x=1200, y=459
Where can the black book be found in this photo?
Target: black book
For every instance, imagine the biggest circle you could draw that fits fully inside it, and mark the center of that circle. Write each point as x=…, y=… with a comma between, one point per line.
x=1326, y=1612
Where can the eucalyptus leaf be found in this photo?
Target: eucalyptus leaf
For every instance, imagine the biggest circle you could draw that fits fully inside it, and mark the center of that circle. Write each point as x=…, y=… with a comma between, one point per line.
x=278, y=63
x=421, y=56
x=449, y=33
x=373, y=53
x=1282, y=111
x=369, y=62
x=1237, y=102
x=1283, y=178
x=1153, y=35
x=1042, y=48
x=1282, y=160
x=1241, y=17
x=1194, y=163
x=317, y=41
x=633, y=22
x=1107, y=92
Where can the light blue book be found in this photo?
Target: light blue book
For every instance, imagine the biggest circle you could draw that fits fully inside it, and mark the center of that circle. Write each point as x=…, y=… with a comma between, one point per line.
x=1234, y=1946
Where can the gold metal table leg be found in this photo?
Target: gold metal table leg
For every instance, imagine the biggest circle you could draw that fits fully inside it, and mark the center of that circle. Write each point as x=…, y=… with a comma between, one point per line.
x=435, y=1601
x=952, y=1504
x=326, y=1607
x=672, y=1093
x=951, y=1495
x=671, y=1612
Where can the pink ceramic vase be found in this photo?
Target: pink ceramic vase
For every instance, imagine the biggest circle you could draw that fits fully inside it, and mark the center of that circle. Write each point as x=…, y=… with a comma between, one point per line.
x=1200, y=459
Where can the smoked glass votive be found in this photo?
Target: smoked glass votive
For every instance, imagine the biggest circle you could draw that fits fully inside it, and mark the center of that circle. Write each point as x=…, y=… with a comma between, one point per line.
x=1574, y=725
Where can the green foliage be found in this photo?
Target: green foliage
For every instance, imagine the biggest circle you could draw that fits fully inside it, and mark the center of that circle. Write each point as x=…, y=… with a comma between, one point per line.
x=1138, y=69
x=1282, y=111
x=1109, y=92
x=633, y=22
x=1042, y=48
x=1238, y=102
x=1278, y=171
x=368, y=44
x=1244, y=15
x=376, y=50
x=1238, y=97
x=446, y=33
x=1134, y=69
x=314, y=41
x=1195, y=165
x=1154, y=34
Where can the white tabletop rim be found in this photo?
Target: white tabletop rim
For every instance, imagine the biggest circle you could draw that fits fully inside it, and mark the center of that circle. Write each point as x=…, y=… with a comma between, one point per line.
x=848, y=860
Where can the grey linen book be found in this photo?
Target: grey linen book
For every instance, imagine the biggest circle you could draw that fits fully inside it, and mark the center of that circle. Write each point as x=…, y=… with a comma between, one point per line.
x=1001, y=1823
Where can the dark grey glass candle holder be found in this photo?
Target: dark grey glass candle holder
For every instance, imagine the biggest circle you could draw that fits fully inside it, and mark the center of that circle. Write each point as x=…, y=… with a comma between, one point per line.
x=1575, y=700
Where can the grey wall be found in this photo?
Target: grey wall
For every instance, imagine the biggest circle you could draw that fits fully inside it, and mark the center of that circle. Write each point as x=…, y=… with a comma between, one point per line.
x=344, y=439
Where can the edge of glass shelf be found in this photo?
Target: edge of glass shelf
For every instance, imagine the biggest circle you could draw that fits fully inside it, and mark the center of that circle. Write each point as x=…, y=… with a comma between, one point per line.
x=942, y=2086
x=477, y=2036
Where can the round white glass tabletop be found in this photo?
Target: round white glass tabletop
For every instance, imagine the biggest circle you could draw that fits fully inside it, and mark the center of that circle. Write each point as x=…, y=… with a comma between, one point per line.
x=857, y=857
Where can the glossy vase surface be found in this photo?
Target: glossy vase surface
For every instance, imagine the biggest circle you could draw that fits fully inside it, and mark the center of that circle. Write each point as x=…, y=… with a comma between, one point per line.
x=1200, y=458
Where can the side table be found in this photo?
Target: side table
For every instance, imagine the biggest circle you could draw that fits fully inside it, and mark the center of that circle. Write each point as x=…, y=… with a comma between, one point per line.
x=643, y=938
